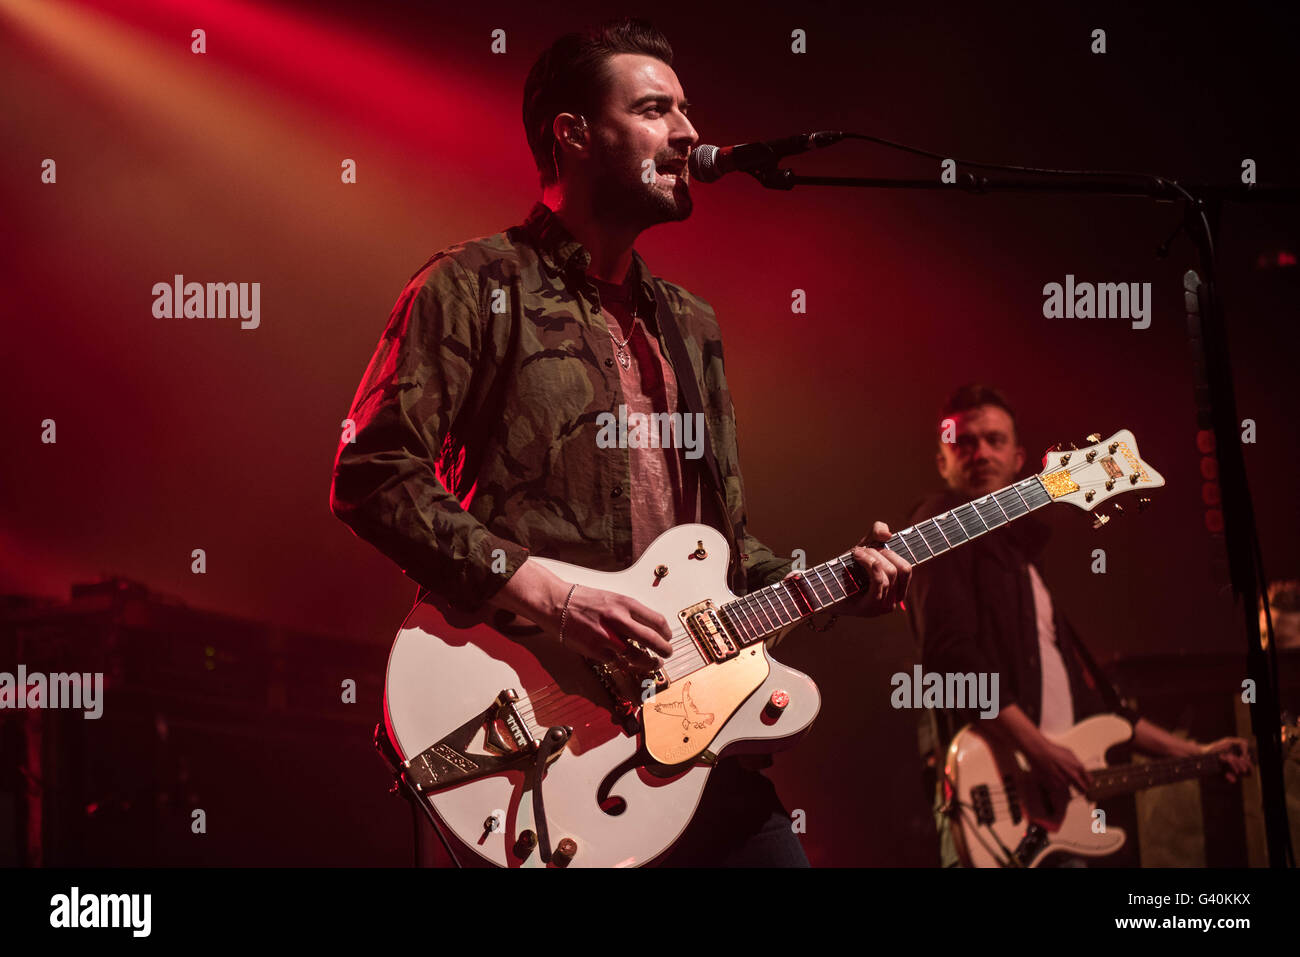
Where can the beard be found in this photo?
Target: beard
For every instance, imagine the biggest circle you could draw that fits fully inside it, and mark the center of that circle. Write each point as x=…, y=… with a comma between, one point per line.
x=622, y=197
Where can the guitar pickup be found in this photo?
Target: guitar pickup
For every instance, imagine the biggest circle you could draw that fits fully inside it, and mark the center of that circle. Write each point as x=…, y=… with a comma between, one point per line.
x=710, y=634
x=982, y=804
x=1013, y=802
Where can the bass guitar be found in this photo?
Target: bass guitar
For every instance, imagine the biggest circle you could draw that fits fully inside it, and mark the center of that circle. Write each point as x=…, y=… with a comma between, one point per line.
x=1003, y=815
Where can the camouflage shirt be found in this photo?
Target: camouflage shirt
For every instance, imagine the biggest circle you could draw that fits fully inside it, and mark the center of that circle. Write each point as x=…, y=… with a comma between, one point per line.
x=476, y=421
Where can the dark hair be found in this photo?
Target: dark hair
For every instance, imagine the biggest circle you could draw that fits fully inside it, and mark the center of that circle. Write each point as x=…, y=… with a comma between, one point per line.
x=972, y=396
x=571, y=77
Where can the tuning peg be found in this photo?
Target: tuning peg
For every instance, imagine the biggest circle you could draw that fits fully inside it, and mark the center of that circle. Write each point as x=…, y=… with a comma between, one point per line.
x=1099, y=520
x=1073, y=446
x=1095, y=437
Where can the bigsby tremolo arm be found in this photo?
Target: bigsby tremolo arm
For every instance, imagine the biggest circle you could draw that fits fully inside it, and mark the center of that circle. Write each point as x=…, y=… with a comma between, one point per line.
x=508, y=739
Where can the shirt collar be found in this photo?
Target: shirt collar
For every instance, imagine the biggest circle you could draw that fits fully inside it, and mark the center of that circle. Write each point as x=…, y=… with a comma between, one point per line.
x=564, y=254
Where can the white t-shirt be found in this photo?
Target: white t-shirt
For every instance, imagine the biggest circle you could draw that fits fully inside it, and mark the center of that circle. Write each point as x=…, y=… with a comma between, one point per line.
x=1058, y=706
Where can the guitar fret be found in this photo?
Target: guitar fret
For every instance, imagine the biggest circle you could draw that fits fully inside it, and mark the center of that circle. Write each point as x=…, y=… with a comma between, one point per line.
x=1013, y=508
x=978, y=529
x=724, y=613
x=920, y=541
x=764, y=620
x=835, y=581
x=851, y=570
x=818, y=588
x=1041, y=496
x=766, y=595
x=1022, y=499
x=991, y=519
x=896, y=543
x=951, y=526
x=788, y=604
x=931, y=542
x=743, y=625
x=935, y=521
x=824, y=580
x=747, y=616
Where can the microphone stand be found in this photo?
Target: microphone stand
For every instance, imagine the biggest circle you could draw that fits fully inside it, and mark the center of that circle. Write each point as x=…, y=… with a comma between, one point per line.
x=1203, y=205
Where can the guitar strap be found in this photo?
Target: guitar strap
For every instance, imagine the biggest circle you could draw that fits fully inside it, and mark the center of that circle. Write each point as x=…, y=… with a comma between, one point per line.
x=689, y=388
x=1093, y=674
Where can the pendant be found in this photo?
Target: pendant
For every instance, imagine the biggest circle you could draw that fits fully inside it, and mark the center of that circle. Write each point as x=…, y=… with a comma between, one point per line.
x=624, y=360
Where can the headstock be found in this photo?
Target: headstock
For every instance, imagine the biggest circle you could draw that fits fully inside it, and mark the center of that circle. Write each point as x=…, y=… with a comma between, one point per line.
x=1088, y=476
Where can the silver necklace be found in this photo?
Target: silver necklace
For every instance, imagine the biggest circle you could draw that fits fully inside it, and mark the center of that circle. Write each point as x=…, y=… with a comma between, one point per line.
x=621, y=354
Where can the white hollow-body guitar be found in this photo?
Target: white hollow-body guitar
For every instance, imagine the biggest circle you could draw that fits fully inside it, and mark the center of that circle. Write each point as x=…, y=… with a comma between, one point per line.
x=477, y=715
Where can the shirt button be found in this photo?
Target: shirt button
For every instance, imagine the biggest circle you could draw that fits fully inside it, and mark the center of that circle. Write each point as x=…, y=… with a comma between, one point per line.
x=616, y=491
x=609, y=363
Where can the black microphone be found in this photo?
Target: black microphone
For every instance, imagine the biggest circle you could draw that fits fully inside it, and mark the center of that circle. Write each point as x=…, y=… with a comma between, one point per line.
x=709, y=163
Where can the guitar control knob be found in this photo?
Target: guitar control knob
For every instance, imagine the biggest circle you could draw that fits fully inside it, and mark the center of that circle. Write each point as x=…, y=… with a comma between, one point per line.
x=564, y=852
x=525, y=844
x=777, y=702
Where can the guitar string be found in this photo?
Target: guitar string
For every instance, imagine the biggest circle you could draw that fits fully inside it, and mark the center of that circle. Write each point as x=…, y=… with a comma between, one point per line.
x=748, y=605
x=1112, y=776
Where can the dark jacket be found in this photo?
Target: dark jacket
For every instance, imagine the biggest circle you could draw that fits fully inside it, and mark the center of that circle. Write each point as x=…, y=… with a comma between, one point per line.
x=477, y=419
x=973, y=611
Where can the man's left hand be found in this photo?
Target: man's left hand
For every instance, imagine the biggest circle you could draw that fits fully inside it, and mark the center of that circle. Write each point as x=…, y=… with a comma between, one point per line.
x=886, y=573
x=1234, y=753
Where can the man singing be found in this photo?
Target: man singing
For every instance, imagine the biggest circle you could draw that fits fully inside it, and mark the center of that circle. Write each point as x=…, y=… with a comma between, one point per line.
x=476, y=421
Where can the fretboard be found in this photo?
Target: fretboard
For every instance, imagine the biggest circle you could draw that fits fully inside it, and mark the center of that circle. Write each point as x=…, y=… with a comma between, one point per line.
x=1127, y=778
x=763, y=613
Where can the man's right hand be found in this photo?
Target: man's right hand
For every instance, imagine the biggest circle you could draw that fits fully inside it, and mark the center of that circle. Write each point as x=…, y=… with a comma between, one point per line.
x=1058, y=764
x=599, y=623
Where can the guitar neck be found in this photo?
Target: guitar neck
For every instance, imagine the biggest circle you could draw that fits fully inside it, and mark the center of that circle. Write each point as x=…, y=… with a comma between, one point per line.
x=1127, y=778
x=760, y=614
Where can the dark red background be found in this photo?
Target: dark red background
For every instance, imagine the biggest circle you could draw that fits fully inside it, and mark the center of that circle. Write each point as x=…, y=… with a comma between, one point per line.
x=183, y=434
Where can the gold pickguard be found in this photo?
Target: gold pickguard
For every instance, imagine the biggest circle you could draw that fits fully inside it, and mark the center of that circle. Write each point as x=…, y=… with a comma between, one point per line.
x=682, y=720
